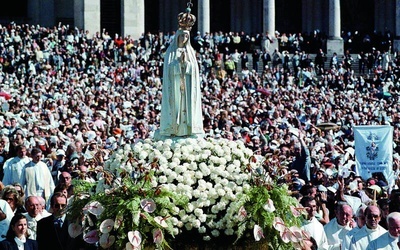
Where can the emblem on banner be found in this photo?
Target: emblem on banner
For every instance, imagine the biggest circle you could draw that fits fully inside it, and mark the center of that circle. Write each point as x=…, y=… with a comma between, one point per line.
x=372, y=149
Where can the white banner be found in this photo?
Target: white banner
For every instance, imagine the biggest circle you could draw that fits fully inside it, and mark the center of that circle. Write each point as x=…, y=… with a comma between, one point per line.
x=373, y=150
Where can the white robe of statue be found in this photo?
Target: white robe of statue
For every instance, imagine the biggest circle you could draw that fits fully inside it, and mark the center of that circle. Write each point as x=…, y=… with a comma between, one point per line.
x=181, y=109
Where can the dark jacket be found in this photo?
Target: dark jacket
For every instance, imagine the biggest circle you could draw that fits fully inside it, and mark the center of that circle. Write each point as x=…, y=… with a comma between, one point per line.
x=49, y=236
x=12, y=245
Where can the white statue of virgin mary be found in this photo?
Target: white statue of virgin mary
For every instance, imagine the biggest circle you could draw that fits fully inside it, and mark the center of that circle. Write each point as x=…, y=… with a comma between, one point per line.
x=181, y=109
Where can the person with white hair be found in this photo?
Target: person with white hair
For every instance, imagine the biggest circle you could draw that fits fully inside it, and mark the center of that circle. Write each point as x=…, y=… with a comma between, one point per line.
x=360, y=220
x=390, y=239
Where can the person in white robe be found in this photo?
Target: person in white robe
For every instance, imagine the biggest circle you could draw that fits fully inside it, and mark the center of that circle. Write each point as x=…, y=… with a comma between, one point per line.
x=390, y=239
x=371, y=231
x=38, y=179
x=338, y=227
x=311, y=224
x=14, y=167
x=181, y=107
x=360, y=220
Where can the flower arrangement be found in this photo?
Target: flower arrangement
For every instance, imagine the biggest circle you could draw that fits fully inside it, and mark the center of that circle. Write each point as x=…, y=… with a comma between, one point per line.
x=154, y=192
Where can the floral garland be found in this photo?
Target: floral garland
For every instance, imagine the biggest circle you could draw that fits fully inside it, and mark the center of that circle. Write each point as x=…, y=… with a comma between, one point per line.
x=154, y=191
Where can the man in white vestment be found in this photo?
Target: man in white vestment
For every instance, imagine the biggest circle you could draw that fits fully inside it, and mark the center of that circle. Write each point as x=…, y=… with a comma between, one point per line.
x=311, y=224
x=390, y=239
x=338, y=227
x=14, y=167
x=370, y=231
x=38, y=179
x=360, y=219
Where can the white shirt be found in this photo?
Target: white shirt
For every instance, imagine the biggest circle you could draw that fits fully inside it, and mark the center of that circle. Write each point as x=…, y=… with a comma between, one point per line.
x=384, y=242
x=32, y=225
x=335, y=233
x=316, y=230
x=363, y=237
x=13, y=170
x=347, y=238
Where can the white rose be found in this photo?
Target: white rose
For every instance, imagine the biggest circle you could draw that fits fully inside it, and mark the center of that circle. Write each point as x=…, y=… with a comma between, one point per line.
x=143, y=155
x=179, y=178
x=215, y=233
x=189, y=208
x=162, y=179
x=167, y=154
x=206, y=238
x=202, y=229
x=196, y=223
x=203, y=218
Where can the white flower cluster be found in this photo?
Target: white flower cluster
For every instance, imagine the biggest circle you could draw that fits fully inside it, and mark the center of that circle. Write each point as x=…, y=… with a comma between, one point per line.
x=211, y=173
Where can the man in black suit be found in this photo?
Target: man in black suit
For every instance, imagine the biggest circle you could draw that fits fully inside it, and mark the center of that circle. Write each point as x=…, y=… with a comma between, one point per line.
x=52, y=231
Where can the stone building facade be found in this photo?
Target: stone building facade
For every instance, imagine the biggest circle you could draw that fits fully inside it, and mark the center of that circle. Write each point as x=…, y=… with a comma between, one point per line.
x=134, y=17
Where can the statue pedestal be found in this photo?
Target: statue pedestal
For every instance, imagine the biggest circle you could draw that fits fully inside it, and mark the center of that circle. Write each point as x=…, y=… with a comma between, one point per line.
x=335, y=45
x=158, y=137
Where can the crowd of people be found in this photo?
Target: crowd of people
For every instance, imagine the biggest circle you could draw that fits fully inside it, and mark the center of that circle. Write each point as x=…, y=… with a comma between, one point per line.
x=70, y=98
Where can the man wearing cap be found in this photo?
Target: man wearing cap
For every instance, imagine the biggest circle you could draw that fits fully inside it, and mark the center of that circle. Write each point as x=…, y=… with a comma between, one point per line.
x=339, y=226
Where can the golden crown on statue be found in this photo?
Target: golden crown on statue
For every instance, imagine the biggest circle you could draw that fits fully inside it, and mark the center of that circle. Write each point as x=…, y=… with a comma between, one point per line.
x=186, y=20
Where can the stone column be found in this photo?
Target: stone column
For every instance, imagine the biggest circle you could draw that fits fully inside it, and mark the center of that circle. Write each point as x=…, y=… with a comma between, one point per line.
x=254, y=10
x=335, y=42
x=396, y=43
x=318, y=15
x=41, y=12
x=87, y=15
x=269, y=22
x=269, y=16
x=204, y=16
x=132, y=22
x=246, y=22
x=307, y=13
x=233, y=9
x=33, y=11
